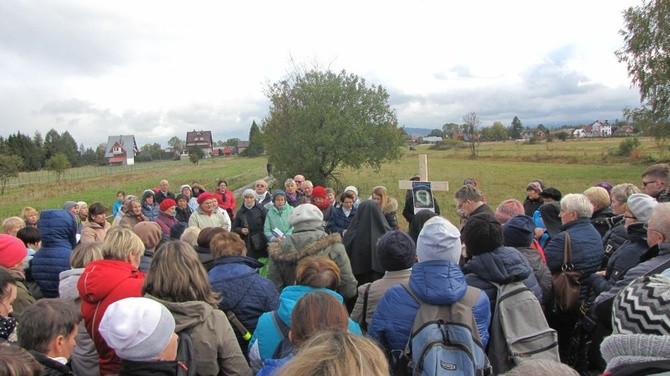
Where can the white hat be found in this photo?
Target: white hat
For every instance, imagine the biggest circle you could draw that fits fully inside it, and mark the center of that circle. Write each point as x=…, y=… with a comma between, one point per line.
x=137, y=329
x=351, y=188
x=641, y=205
x=439, y=240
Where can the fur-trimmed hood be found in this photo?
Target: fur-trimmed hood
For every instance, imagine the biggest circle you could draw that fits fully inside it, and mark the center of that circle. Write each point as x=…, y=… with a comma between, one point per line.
x=287, y=251
x=391, y=206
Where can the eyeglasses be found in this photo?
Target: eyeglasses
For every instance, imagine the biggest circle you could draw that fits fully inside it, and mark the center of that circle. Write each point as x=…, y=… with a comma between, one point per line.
x=260, y=186
x=645, y=183
x=631, y=217
x=460, y=205
x=298, y=181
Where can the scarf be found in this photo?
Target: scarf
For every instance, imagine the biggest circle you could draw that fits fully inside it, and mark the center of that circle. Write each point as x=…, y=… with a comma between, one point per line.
x=7, y=325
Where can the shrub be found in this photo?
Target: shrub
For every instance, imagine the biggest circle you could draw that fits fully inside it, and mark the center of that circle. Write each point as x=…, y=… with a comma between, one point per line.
x=627, y=146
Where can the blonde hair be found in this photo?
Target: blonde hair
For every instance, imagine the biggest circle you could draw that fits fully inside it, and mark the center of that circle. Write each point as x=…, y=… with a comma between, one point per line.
x=25, y=212
x=335, y=353
x=177, y=275
x=227, y=244
x=12, y=223
x=121, y=243
x=382, y=192
x=598, y=197
x=190, y=236
x=85, y=253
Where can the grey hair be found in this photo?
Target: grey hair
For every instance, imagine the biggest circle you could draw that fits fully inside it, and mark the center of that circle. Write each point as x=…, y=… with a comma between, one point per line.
x=621, y=192
x=579, y=203
x=469, y=192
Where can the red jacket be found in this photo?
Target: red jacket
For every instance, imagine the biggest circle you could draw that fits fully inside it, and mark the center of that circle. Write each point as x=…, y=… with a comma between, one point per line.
x=228, y=204
x=102, y=283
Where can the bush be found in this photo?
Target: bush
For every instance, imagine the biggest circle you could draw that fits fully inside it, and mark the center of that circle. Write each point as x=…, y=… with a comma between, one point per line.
x=627, y=146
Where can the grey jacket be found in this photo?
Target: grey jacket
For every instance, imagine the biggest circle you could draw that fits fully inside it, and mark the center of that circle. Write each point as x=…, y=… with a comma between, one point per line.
x=284, y=257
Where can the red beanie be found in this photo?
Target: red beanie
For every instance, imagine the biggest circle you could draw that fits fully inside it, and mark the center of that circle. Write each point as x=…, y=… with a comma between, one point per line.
x=12, y=250
x=204, y=196
x=319, y=191
x=167, y=204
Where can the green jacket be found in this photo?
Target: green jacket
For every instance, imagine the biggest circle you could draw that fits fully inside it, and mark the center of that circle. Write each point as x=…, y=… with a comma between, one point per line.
x=277, y=219
x=284, y=257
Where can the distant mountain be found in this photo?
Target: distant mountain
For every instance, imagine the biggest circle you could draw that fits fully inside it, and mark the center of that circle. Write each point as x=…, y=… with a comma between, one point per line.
x=421, y=132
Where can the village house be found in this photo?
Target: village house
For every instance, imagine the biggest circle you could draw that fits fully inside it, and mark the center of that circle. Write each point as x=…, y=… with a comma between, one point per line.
x=121, y=150
x=200, y=139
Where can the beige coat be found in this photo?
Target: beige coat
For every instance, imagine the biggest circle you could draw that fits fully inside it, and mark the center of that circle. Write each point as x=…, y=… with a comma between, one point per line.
x=92, y=232
x=375, y=294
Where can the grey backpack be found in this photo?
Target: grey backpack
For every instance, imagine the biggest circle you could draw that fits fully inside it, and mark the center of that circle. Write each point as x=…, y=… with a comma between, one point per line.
x=519, y=330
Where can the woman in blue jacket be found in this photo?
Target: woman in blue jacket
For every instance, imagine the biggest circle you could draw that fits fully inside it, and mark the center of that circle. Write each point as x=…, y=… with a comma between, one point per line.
x=235, y=277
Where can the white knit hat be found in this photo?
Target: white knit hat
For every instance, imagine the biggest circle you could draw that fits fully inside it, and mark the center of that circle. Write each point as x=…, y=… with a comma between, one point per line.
x=137, y=329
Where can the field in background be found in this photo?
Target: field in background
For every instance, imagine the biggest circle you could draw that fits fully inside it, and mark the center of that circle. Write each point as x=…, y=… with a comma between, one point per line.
x=503, y=170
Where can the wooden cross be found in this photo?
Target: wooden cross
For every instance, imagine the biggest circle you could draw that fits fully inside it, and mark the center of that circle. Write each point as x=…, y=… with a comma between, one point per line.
x=424, y=195
x=423, y=176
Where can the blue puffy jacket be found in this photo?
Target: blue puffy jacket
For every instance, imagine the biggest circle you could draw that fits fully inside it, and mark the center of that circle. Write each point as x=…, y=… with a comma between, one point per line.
x=243, y=290
x=587, y=250
x=267, y=336
x=58, y=230
x=503, y=265
x=435, y=282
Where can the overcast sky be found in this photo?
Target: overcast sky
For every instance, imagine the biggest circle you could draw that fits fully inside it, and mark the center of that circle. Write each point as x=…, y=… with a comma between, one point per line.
x=157, y=69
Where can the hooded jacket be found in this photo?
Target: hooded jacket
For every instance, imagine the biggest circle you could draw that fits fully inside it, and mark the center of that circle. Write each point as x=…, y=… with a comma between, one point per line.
x=102, y=283
x=58, y=230
x=284, y=257
x=243, y=291
x=389, y=211
x=216, y=349
x=267, y=336
x=502, y=266
x=437, y=282
x=202, y=220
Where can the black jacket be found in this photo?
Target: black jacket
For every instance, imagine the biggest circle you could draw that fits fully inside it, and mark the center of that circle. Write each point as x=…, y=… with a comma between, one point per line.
x=51, y=367
x=252, y=219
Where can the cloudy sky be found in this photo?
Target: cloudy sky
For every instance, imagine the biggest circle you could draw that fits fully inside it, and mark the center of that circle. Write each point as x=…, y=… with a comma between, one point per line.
x=156, y=69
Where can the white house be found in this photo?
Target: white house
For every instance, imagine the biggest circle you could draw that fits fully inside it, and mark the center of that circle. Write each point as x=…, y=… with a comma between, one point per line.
x=578, y=133
x=121, y=150
x=432, y=139
x=601, y=129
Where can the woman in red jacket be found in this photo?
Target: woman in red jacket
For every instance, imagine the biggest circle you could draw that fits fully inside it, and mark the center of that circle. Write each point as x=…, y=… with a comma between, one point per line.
x=225, y=198
x=105, y=281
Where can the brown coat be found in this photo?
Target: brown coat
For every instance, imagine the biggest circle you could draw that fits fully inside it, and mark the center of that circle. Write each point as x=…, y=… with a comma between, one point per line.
x=377, y=290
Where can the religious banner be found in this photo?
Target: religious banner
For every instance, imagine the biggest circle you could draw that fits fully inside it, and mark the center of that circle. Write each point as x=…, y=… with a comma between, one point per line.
x=422, y=195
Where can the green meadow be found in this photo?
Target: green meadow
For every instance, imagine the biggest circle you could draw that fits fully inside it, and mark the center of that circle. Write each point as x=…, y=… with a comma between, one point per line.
x=502, y=170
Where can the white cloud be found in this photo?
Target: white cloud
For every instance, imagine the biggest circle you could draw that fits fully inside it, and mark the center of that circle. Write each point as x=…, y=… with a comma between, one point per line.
x=159, y=68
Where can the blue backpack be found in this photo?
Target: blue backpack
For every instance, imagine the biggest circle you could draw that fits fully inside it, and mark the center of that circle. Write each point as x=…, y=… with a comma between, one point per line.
x=445, y=340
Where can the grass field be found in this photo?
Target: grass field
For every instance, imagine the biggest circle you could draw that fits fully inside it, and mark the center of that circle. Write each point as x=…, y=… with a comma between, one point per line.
x=502, y=170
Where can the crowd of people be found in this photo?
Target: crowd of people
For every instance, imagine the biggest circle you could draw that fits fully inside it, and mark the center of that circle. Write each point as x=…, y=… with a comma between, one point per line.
x=295, y=281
